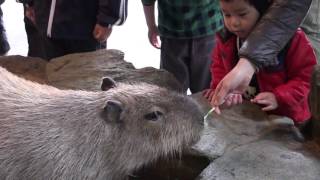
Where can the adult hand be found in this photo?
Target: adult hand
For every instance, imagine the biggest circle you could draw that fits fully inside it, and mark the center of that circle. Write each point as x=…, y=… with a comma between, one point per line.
x=208, y=94
x=101, y=33
x=30, y=14
x=237, y=80
x=267, y=99
x=153, y=35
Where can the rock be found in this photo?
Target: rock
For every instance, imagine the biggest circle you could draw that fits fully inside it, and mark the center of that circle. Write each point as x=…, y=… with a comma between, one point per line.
x=242, y=143
x=267, y=159
x=33, y=69
x=86, y=70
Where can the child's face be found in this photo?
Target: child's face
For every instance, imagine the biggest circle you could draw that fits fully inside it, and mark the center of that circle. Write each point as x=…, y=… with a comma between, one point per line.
x=239, y=16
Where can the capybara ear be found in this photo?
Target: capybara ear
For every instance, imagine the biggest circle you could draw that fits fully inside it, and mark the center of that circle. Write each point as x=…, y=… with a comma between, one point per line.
x=112, y=111
x=107, y=83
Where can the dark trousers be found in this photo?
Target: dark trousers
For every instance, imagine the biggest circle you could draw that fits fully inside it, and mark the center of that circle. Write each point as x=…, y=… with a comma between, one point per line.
x=4, y=45
x=35, y=42
x=59, y=47
x=189, y=60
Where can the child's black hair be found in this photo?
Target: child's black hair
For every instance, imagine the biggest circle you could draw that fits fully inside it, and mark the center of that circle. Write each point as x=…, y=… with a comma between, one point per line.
x=261, y=5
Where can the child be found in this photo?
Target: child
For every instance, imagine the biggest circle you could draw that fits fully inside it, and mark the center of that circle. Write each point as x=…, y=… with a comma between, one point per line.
x=282, y=89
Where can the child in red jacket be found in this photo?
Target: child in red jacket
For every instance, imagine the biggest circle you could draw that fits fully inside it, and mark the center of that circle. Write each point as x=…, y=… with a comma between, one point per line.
x=281, y=89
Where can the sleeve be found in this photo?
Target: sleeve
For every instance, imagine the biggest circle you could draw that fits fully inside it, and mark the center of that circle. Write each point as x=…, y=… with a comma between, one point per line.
x=29, y=2
x=218, y=70
x=273, y=31
x=300, y=61
x=112, y=12
x=148, y=2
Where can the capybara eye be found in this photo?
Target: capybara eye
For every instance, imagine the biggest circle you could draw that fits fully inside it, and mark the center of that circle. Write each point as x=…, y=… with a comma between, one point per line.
x=153, y=116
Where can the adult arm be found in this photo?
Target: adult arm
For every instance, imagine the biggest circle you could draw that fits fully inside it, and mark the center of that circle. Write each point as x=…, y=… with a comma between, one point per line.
x=153, y=34
x=110, y=12
x=273, y=31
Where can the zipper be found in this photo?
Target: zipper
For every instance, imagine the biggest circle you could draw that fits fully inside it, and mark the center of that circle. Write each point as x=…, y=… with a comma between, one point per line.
x=122, y=14
x=52, y=10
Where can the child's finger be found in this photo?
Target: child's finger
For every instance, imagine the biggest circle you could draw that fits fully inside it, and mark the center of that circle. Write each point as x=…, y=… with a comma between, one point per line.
x=228, y=101
x=262, y=101
x=217, y=110
x=267, y=108
x=206, y=94
x=238, y=99
x=210, y=94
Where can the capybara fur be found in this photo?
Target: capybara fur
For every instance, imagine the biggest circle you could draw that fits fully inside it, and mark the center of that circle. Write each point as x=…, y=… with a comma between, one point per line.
x=47, y=133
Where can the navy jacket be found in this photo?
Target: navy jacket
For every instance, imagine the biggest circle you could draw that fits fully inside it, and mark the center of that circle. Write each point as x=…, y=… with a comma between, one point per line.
x=75, y=19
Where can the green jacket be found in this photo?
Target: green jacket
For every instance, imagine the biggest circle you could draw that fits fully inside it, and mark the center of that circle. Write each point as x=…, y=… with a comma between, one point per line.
x=187, y=18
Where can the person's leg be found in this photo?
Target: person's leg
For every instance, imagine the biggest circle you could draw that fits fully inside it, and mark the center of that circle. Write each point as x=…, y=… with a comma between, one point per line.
x=200, y=76
x=60, y=47
x=53, y=47
x=78, y=46
x=175, y=58
x=35, y=43
x=4, y=45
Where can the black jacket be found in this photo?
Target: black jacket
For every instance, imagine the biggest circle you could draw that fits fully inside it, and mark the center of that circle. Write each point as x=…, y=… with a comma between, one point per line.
x=75, y=19
x=274, y=31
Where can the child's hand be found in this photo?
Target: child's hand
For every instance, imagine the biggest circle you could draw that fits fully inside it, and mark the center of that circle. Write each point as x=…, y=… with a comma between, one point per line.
x=267, y=99
x=153, y=35
x=233, y=99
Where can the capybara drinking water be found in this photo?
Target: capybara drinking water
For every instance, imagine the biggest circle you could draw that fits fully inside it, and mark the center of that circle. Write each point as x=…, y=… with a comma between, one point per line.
x=47, y=133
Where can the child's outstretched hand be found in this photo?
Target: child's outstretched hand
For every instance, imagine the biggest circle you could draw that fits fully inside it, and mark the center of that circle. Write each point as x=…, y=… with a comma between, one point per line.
x=233, y=99
x=267, y=99
x=153, y=35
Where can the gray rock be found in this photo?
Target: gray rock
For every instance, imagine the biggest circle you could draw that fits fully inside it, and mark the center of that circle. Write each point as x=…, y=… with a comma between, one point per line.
x=263, y=160
x=85, y=71
x=33, y=69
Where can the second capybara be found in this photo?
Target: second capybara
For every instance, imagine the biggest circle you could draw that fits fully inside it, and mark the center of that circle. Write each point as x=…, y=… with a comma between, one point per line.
x=47, y=133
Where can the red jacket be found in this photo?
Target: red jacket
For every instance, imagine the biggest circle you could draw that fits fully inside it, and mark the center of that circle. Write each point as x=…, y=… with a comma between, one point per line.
x=289, y=82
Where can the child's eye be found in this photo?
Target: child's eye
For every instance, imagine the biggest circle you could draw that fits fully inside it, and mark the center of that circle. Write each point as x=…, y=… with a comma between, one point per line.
x=227, y=15
x=242, y=14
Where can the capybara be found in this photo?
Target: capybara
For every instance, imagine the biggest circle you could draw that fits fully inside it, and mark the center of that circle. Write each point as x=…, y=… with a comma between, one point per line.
x=47, y=133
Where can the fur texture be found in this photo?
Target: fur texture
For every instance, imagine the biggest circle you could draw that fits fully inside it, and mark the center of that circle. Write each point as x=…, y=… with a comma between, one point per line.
x=47, y=133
